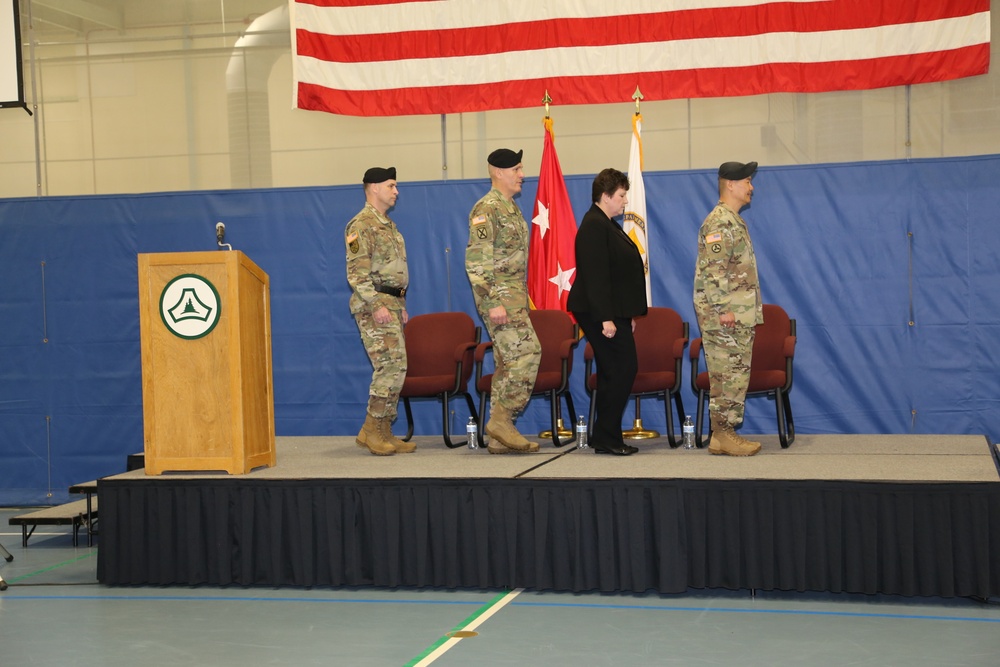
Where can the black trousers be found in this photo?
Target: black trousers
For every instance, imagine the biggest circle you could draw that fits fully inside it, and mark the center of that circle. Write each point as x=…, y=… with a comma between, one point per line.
x=617, y=366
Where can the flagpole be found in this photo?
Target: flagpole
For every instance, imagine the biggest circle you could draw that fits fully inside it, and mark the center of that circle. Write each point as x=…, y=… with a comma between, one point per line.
x=637, y=432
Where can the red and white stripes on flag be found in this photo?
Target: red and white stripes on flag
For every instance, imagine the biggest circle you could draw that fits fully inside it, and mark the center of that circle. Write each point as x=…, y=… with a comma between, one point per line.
x=400, y=57
x=634, y=220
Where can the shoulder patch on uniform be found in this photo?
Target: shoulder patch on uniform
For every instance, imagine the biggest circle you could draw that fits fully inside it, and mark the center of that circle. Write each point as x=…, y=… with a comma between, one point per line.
x=480, y=228
x=713, y=238
x=352, y=243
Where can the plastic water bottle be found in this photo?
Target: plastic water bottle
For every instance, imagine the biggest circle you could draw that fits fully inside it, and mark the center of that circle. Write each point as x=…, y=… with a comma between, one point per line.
x=688, y=430
x=471, y=431
x=581, y=433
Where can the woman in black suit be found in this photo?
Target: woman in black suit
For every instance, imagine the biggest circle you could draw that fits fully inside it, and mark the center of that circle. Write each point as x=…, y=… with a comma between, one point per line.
x=609, y=290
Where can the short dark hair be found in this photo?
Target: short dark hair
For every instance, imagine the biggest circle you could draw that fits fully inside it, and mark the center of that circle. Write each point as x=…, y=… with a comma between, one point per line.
x=607, y=183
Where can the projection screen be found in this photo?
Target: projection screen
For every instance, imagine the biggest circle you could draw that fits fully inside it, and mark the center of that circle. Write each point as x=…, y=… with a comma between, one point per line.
x=11, y=82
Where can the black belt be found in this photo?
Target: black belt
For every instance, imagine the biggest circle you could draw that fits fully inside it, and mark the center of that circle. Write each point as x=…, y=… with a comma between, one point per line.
x=392, y=291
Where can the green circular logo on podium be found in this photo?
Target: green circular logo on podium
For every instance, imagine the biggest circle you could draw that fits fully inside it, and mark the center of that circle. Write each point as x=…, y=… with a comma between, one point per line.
x=190, y=306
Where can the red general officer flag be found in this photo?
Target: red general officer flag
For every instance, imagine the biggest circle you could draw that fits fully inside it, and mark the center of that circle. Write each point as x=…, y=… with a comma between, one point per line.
x=552, y=253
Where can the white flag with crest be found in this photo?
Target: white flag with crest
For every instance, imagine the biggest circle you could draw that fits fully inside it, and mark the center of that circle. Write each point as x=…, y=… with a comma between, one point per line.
x=635, y=211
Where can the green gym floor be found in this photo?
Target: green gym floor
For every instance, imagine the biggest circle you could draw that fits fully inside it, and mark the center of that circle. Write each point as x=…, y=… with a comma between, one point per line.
x=55, y=613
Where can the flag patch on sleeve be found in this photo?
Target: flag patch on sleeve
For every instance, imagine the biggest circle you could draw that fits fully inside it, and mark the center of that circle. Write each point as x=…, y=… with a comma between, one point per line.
x=713, y=238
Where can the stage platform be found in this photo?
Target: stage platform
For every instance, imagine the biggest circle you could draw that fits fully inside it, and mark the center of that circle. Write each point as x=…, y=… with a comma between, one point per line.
x=895, y=514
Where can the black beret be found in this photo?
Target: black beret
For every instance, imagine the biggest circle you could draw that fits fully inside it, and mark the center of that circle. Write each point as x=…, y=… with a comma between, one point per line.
x=505, y=158
x=737, y=171
x=379, y=175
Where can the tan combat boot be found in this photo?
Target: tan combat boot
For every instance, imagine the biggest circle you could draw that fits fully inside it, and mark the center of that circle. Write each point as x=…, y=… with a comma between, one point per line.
x=504, y=437
x=371, y=438
x=752, y=443
x=494, y=446
x=725, y=441
x=401, y=446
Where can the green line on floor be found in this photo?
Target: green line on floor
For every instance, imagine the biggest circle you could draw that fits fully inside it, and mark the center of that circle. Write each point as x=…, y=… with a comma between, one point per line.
x=471, y=621
x=52, y=567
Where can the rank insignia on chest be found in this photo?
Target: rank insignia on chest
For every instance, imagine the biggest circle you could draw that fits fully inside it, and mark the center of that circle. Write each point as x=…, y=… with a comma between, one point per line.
x=352, y=243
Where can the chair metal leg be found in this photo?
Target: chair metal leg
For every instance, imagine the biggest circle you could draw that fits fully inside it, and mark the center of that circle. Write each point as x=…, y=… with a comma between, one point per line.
x=672, y=438
x=558, y=432
x=567, y=436
x=789, y=420
x=446, y=424
x=779, y=408
x=786, y=428
x=409, y=420
x=572, y=421
x=445, y=399
x=557, y=424
x=699, y=423
x=679, y=402
x=482, y=420
x=472, y=411
x=590, y=415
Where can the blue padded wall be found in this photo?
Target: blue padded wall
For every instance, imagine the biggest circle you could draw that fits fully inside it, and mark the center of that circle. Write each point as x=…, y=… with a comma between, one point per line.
x=854, y=252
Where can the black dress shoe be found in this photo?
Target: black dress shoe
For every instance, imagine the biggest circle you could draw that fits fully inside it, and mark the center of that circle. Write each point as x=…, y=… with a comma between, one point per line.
x=617, y=450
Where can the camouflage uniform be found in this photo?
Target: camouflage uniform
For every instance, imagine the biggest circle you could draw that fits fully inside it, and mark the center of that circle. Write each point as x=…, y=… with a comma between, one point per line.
x=496, y=260
x=726, y=281
x=376, y=256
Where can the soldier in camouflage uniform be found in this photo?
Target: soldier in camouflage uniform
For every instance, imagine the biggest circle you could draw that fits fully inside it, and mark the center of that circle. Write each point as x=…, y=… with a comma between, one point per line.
x=376, y=271
x=728, y=305
x=496, y=260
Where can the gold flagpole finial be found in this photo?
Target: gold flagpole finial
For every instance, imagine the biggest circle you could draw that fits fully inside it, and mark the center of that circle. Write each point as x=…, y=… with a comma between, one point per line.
x=546, y=101
x=637, y=96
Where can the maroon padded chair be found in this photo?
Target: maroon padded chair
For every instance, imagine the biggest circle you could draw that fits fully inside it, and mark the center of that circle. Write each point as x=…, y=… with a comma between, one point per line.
x=440, y=348
x=660, y=338
x=558, y=336
x=770, y=371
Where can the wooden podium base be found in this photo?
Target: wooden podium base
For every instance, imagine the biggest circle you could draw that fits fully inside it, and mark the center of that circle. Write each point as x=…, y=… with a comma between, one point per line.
x=206, y=363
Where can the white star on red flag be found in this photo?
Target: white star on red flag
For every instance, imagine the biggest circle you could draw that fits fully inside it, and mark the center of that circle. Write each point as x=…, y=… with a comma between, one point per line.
x=541, y=220
x=562, y=279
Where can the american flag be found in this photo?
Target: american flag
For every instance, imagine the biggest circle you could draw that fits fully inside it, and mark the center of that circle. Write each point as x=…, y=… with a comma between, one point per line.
x=401, y=57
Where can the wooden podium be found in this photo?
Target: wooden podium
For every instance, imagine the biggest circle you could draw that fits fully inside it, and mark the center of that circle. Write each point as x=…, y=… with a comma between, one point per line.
x=207, y=399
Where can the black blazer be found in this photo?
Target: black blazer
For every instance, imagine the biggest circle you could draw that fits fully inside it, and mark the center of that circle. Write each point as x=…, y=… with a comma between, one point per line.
x=610, y=278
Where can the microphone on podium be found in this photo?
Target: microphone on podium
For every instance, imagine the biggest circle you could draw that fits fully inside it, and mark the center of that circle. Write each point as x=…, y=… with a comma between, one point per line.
x=220, y=235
